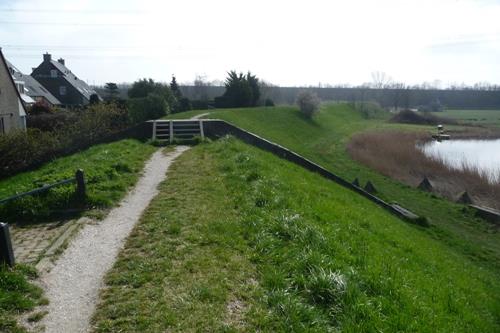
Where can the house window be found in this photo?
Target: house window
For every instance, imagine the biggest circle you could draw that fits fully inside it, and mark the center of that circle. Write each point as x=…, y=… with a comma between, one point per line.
x=62, y=90
x=53, y=73
x=2, y=126
x=20, y=88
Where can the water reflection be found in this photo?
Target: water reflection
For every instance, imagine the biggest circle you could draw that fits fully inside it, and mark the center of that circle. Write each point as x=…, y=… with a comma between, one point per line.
x=481, y=155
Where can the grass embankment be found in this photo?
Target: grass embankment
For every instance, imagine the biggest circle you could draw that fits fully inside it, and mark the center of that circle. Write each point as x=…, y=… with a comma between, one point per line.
x=324, y=140
x=110, y=170
x=17, y=295
x=240, y=240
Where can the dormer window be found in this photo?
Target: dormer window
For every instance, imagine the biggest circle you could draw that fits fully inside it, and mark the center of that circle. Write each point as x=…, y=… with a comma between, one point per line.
x=53, y=73
x=20, y=88
x=62, y=90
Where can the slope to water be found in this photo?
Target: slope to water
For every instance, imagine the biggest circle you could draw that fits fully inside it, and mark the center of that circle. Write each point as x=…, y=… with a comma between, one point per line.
x=239, y=240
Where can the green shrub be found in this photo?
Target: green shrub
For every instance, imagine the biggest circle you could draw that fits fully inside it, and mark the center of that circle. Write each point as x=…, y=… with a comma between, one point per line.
x=51, y=121
x=269, y=102
x=145, y=108
x=22, y=150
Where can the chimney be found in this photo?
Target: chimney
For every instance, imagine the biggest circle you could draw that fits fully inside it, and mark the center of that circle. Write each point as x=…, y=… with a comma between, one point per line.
x=61, y=61
x=47, y=57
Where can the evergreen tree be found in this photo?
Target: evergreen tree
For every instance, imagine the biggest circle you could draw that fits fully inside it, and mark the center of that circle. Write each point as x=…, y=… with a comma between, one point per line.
x=238, y=93
x=253, y=82
x=174, y=87
x=111, y=91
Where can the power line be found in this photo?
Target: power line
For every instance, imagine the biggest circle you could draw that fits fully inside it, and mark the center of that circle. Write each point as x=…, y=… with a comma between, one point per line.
x=67, y=11
x=69, y=24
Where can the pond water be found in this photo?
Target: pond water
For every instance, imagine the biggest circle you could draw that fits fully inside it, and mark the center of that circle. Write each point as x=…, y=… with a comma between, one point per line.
x=481, y=155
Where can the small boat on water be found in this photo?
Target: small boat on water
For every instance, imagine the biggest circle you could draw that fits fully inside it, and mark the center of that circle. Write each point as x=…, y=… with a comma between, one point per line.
x=440, y=136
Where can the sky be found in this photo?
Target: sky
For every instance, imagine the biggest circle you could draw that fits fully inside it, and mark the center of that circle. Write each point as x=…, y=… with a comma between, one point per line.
x=288, y=43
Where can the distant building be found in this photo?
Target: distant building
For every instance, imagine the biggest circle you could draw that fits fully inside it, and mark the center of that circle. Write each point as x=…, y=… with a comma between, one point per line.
x=62, y=83
x=12, y=109
x=31, y=90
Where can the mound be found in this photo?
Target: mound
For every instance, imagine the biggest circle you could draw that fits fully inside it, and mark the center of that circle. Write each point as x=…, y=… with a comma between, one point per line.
x=418, y=118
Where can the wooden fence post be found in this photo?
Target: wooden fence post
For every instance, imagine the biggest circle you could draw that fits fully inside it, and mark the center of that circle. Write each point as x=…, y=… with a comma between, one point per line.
x=171, y=131
x=6, y=252
x=80, y=184
x=154, y=130
x=202, y=131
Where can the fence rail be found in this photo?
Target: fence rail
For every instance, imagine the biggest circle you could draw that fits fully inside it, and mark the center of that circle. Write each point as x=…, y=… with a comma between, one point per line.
x=79, y=179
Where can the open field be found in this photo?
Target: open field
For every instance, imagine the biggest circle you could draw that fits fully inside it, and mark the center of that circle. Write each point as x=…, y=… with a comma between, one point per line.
x=110, y=170
x=324, y=140
x=474, y=117
x=241, y=241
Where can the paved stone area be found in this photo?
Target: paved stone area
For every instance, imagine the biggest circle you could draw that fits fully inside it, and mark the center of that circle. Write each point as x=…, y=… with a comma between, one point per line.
x=31, y=241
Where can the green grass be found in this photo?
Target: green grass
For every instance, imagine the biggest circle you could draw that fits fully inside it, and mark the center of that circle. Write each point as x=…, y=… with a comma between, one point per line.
x=324, y=140
x=17, y=295
x=110, y=170
x=475, y=117
x=239, y=240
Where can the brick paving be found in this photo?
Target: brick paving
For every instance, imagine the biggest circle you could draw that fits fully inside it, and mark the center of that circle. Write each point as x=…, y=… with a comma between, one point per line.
x=31, y=241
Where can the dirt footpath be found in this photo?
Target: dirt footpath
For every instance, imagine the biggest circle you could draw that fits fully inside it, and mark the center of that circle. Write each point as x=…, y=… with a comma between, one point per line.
x=73, y=284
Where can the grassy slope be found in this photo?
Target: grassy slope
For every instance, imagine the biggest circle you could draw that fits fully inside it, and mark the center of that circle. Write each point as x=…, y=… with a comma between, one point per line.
x=239, y=240
x=110, y=170
x=323, y=140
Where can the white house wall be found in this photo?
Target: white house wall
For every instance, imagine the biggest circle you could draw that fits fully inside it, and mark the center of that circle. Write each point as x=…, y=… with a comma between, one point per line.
x=11, y=108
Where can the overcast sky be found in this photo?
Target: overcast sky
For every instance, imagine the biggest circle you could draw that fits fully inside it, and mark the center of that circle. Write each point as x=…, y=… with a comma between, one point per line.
x=288, y=43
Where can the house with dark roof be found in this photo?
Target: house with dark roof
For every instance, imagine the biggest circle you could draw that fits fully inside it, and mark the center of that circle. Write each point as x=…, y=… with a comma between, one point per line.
x=62, y=83
x=12, y=109
x=31, y=90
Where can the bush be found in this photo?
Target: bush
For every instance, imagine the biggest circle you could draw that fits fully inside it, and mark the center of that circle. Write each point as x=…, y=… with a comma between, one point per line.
x=308, y=103
x=269, y=102
x=147, y=108
x=182, y=104
x=199, y=104
x=39, y=108
x=49, y=122
x=146, y=87
x=22, y=150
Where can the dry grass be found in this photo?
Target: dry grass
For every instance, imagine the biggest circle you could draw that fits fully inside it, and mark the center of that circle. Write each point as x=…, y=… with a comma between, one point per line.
x=394, y=154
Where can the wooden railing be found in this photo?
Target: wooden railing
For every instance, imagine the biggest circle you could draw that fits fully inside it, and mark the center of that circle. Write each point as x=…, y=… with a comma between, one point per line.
x=6, y=252
x=79, y=179
x=168, y=130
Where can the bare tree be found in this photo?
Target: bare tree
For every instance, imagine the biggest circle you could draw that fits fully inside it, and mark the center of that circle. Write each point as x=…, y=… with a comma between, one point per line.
x=200, y=89
x=308, y=103
x=380, y=80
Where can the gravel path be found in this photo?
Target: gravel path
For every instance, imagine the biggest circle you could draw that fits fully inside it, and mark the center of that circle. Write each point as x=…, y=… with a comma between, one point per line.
x=73, y=284
x=199, y=116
